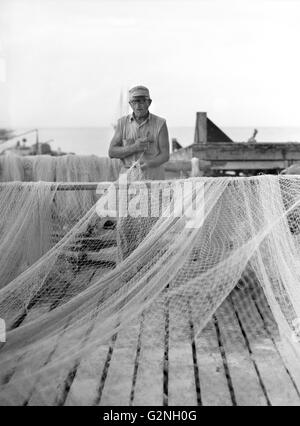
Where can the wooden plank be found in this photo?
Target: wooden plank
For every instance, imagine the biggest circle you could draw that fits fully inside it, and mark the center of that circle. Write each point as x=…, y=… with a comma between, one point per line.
x=63, y=381
x=182, y=384
x=247, y=165
x=92, y=367
x=184, y=154
x=41, y=296
x=108, y=254
x=86, y=344
x=213, y=382
x=32, y=394
x=84, y=390
x=51, y=389
x=35, y=309
x=82, y=280
x=264, y=311
x=200, y=136
x=13, y=371
x=106, y=239
x=149, y=378
x=28, y=388
x=246, y=388
x=177, y=166
x=246, y=152
x=255, y=292
x=272, y=370
x=292, y=153
x=118, y=384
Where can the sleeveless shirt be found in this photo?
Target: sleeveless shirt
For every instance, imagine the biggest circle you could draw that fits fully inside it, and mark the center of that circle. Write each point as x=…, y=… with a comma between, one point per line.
x=131, y=130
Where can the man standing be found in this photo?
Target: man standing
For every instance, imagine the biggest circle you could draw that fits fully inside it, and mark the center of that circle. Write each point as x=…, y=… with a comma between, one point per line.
x=141, y=136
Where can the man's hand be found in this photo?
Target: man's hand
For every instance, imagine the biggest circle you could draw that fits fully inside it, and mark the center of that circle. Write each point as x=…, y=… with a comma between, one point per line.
x=141, y=144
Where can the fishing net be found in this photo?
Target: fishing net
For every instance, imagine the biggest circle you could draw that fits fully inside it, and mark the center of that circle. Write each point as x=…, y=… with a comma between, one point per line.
x=65, y=168
x=157, y=262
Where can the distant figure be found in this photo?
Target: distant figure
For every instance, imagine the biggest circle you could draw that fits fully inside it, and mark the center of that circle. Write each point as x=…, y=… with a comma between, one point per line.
x=141, y=136
x=252, y=139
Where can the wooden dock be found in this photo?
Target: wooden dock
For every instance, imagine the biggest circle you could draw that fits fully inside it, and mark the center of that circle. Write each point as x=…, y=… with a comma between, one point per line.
x=235, y=361
x=266, y=157
x=219, y=155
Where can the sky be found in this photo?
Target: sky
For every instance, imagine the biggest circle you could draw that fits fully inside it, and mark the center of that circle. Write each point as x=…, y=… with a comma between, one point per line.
x=64, y=63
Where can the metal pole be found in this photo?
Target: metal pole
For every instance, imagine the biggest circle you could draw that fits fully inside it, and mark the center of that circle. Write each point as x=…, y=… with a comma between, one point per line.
x=38, y=148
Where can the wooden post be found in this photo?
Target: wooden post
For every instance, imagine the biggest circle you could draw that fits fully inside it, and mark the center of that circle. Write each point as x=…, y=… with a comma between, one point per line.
x=37, y=143
x=201, y=128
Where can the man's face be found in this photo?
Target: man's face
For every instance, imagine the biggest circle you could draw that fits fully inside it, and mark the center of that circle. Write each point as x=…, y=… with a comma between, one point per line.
x=140, y=106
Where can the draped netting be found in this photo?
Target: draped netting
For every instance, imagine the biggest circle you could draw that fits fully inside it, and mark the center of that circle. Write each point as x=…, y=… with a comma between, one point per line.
x=178, y=247
x=65, y=168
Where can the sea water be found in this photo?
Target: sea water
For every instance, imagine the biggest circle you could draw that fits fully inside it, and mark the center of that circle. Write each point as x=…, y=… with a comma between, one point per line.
x=96, y=140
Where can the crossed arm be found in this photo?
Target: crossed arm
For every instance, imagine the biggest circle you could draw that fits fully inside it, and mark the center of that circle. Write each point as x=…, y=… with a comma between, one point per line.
x=164, y=150
x=117, y=150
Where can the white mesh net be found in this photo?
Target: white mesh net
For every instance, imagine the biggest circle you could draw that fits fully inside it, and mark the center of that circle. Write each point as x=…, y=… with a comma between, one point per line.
x=182, y=260
x=66, y=168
